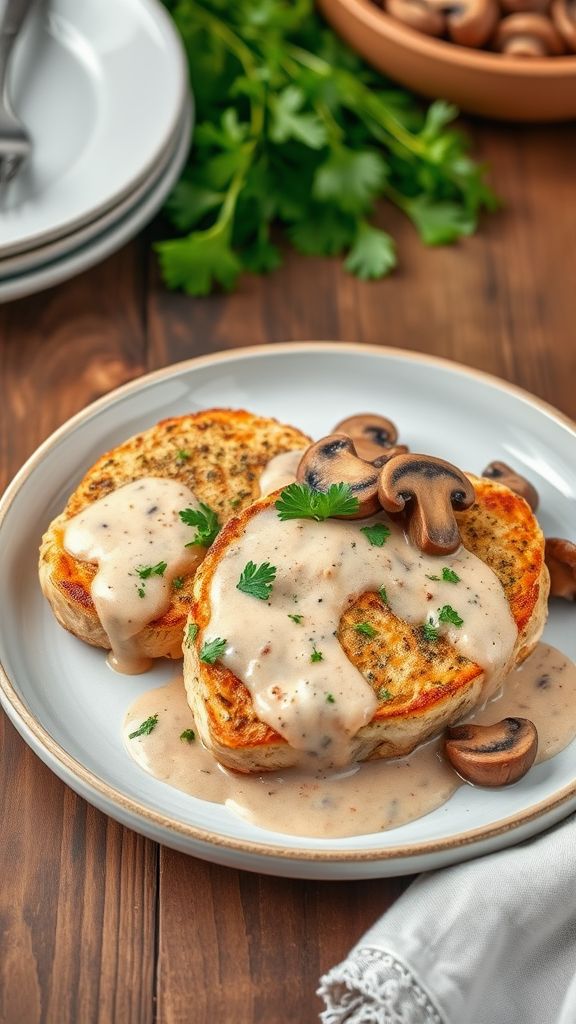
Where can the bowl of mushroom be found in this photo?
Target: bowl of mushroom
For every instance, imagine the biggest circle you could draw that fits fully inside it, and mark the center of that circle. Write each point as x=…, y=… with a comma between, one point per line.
x=510, y=59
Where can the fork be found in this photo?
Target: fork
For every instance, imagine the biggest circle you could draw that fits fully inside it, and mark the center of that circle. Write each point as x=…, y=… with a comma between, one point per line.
x=15, y=145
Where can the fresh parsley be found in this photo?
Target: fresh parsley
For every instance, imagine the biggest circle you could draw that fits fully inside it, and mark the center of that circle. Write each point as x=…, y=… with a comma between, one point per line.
x=144, y=572
x=429, y=631
x=206, y=522
x=316, y=655
x=191, y=634
x=296, y=618
x=366, y=629
x=182, y=455
x=188, y=736
x=298, y=501
x=330, y=699
x=377, y=534
x=294, y=129
x=212, y=650
x=146, y=728
x=178, y=582
x=383, y=595
x=384, y=694
x=448, y=576
x=257, y=580
x=448, y=614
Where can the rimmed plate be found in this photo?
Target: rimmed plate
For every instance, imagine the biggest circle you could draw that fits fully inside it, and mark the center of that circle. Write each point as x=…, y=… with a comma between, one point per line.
x=122, y=226
x=69, y=707
x=101, y=87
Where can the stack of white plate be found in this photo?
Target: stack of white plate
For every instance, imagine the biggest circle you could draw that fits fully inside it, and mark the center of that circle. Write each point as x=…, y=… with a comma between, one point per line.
x=101, y=85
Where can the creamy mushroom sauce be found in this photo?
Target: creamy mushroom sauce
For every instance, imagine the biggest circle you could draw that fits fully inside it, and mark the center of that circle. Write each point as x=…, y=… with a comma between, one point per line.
x=280, y=471
x=362, y=799
x=318, y=706
x=134, y=527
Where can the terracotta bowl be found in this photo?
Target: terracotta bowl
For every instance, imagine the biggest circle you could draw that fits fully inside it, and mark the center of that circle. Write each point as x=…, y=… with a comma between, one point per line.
x=479, y=82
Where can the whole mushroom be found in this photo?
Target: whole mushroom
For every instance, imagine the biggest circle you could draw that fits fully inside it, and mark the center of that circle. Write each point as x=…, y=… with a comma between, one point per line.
x=469, y=22
x=563, y=13
x=334, y=460
x=374, y=436
x=428, y=489
x=560, y=557
x=504, y=474
x=528, y=35
x=418, y=14
x=492, y=755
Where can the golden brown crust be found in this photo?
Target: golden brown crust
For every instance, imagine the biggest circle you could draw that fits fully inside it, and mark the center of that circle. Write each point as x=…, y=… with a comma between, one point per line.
x=420, y=687
x=219, y=454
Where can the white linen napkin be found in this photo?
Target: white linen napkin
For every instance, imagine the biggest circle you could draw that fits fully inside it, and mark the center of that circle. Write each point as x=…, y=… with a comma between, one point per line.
x=491, y=941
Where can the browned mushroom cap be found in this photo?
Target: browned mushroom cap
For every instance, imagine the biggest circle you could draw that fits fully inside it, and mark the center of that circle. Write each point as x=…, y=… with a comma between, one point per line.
x=333, y=460
x=469, y=22
x=563, y=13
x=510, y=478
x=492, y=755
x=528, y=35
x=430, y=488
x=391, y=453
x=519, y=6
x=417, y=14
x=372, y=434
x=560, y=557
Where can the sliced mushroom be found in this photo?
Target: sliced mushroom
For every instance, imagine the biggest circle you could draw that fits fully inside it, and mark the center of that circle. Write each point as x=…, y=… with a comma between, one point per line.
x=504, y=474
x=418, y=14
x=334, y=460
x=372, y=435
x=429, y=489
x=469, y=22
x=563, y=13
x=528, y=35
x=518, y=6
x=492, y=755
x=391, y=453
x=560, y=557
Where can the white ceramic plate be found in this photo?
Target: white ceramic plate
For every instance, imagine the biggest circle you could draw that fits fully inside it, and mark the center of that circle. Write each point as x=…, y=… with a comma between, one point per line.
x=101, y=87
x=123, y=227
x=69, y=707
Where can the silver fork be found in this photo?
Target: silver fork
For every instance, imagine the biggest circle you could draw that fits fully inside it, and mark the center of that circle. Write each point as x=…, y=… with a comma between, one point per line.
x=15, y=145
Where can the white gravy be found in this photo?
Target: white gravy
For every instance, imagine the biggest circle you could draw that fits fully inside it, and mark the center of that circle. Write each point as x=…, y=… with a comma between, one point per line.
x=280, y=471
x=361, y=799
x=321, y=569
x=134, y=527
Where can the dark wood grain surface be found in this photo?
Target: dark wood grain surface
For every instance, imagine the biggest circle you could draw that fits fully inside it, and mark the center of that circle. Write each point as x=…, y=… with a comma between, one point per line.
x=101, y=926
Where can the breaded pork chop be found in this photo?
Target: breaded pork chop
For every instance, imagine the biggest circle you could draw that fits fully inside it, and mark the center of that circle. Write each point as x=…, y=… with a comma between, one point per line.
x=421, y=687
x=219, y=454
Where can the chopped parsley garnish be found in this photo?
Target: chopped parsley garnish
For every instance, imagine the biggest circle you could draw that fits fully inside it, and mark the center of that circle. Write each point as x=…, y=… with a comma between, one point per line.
x=330, y=699
x=212, y=650
x=384, y=694
x=182, y=455
x=178, y=582
x=448, y=576
x=366, y=629
x=191, y=633
x=146, y=728
x=298, y=501
x=257, y=580
x=377, y=534
x=449, y=614
x=316, y=655
x=296, y=618
x=430, y=631
x=146, y=571
x=188, y=736
x=205, y=520
x=383, y=595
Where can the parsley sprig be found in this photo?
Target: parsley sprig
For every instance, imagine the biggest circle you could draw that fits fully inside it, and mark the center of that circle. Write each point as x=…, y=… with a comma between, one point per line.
x=294, y=129
x=206, y=521
x=377, y=534
x=144, y=572
x=449, y=614
x=146, y=728
x=298, y=501
x=212, y=650
x=257, y=580
x=448, y=576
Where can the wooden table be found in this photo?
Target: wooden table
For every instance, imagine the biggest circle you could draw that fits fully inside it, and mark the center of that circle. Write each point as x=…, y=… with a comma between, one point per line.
x=97, y=924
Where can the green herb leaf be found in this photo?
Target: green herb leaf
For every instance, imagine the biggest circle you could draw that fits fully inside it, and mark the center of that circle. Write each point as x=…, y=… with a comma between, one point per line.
x=182, y=455
x=377, y=534
x=366, y=629
x=351, y=179
x=330, y=699
x=430, y=631
x=257, y=580
x=384, y=694
x=373, y=254
x=199, y=261
x=289, y=122
x=383, y=595
x=188, y=736
x=191, y=634
x=146, y=728
x=448, y=614
x=298, y=501
x=205, y=520
x=316, y=655
x=449, y=576
x=296, y=618
x=213, y=650
x=178, y=582
x=146, y=571
x=440, y=223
